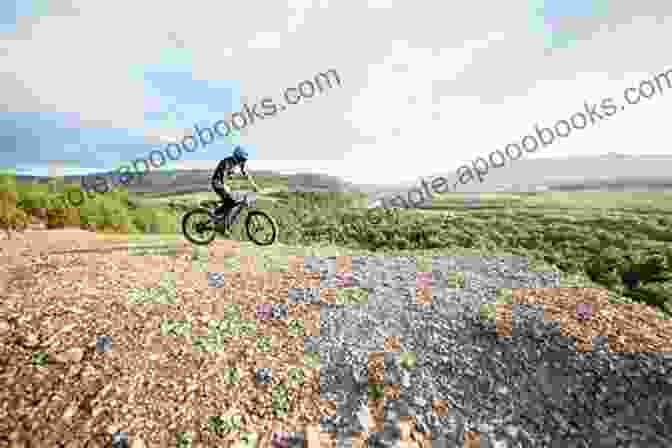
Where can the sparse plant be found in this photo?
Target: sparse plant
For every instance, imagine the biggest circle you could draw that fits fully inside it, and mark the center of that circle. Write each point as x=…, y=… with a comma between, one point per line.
x=376, y=392
x=352, y=296
x=184, y=440
x=280, y=400
x=408, y=360
x=455, y=280
x=199, y=254
x=423, y=264
x=312, y=360
x=224, y=328
x=175, y=328
x=40, y=359
x=487, y=311
x=504, y=295
x=295, y=328
x=264, y=344
x=208, y=343
x=231, y=311
x=295, y=375
x=231, y=375
x=246, y=328
x=248, y=439
x=224, y=424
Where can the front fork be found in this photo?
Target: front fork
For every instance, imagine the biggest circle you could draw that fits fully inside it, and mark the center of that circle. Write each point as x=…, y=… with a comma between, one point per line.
x=234, y=214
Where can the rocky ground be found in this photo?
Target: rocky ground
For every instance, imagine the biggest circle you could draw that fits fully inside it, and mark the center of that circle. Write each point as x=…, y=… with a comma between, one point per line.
x=99, y=347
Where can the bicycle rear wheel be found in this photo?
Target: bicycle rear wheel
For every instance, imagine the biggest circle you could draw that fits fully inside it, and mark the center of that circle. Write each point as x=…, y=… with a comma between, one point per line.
x=258, y=221
x=198, y=228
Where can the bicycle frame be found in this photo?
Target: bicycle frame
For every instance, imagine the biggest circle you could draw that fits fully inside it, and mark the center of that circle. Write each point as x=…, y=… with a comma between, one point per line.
x=248, y=201
x=208, y=207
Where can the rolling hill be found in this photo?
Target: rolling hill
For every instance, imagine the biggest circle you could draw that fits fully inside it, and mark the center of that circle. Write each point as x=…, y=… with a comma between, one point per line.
x=614, y=172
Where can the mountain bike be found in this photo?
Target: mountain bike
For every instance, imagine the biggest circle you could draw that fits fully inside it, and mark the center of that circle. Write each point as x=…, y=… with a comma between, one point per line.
x=200, y=225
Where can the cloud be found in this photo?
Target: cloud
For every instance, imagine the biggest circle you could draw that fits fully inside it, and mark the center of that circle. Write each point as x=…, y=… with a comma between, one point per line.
x=452, y=84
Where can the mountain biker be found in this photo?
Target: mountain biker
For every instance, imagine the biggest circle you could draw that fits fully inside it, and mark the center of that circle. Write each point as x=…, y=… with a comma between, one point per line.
x=225, y=168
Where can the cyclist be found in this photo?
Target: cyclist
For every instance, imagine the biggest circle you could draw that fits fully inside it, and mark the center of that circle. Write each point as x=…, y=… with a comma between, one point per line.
x=225, y=168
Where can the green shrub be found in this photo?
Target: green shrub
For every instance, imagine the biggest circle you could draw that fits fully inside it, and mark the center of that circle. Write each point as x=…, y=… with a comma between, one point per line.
x=107, y=213
x=32, y=200
x=154, y=220
x=605, y=267
x=657, y=295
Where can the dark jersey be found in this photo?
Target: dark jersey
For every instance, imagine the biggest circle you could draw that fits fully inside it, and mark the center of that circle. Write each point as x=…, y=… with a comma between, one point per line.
x=226, y=167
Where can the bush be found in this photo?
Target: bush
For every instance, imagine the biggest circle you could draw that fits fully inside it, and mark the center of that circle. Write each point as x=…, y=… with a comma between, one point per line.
x=605, y=268
x=657, y=296
x=654, y=267
x=155, y=220
x=32, y=200
x=10, y=215
x=107, y=213
x=58, y=218
x=7, y=182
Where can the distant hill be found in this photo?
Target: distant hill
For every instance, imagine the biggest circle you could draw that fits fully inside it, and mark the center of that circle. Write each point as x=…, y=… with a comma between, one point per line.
x=318, y=182
x=587, y=172
x=618, y=172
x=194, y=181
x=610, y=172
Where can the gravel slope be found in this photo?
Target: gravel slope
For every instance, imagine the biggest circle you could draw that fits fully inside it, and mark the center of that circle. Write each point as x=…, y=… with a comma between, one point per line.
x=532, y=389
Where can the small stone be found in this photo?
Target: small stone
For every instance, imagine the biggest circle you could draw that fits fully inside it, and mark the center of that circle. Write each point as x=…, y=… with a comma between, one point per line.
x=216, y=280
x=31, y=340
x=120, y=440
x=70, y=411
x=279, y=311
x=73, y=355
x=303, y=296
x=420, y=401
x=103, y=344
x=264, y=376
x=406, y=380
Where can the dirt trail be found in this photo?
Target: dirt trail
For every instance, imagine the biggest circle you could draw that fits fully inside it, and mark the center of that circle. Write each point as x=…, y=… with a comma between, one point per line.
x=63, y=290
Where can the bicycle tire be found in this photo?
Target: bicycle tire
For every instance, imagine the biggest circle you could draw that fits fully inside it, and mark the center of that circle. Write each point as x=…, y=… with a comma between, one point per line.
x=187, y=233
x=270, y=220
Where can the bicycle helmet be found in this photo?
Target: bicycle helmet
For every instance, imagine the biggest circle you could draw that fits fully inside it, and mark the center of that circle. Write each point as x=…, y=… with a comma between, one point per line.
x=240, y=154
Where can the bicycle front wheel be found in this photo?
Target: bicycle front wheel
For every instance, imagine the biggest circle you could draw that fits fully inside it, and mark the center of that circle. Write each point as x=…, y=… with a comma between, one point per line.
x=258, y=222
x=198, y=228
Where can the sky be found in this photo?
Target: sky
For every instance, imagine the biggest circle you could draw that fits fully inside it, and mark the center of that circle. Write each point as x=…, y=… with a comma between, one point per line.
x=89, y=85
